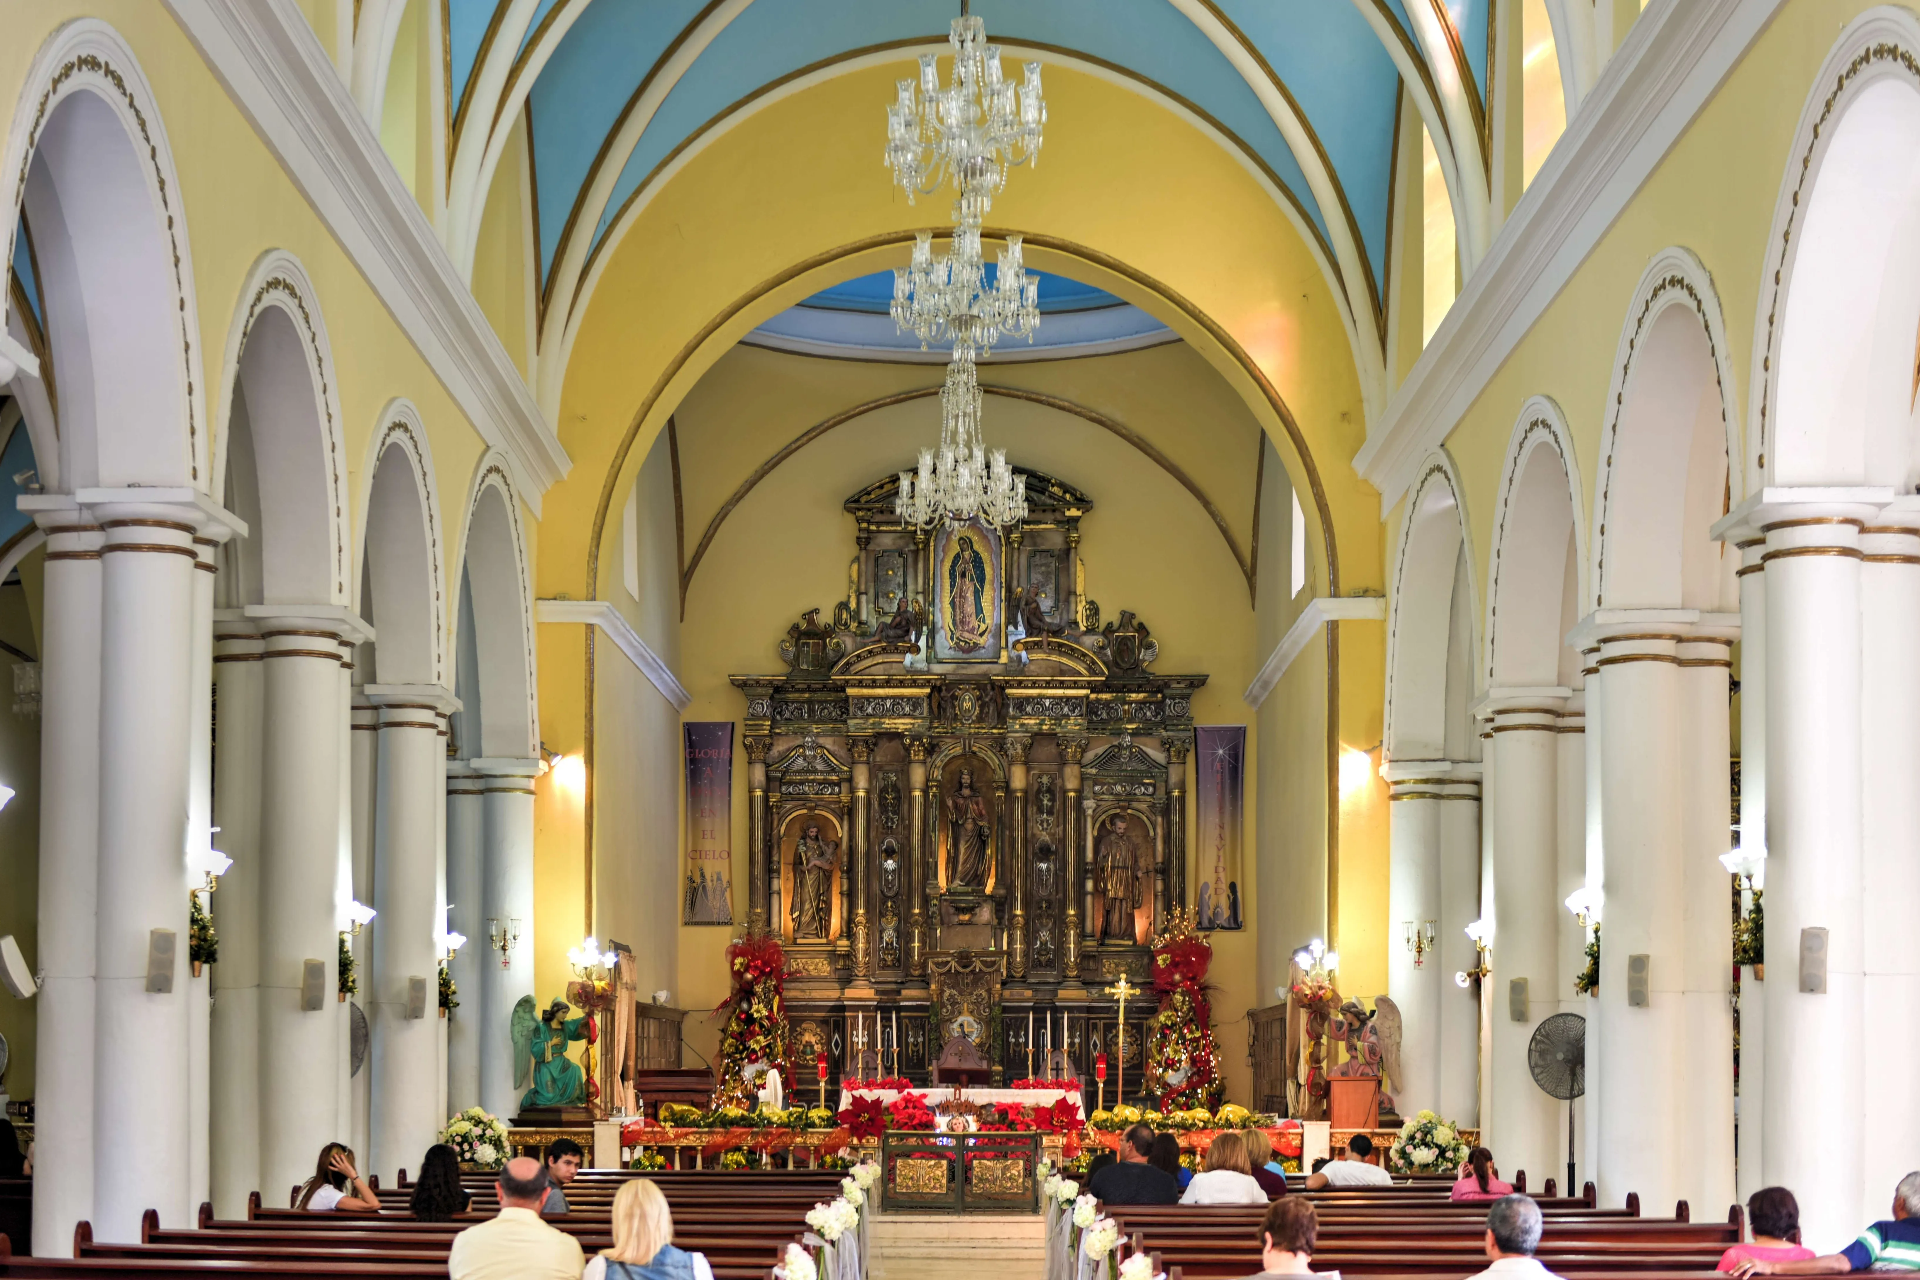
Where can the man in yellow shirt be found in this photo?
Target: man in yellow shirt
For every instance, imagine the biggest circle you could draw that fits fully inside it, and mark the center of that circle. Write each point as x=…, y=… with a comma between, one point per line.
x=516, y=1244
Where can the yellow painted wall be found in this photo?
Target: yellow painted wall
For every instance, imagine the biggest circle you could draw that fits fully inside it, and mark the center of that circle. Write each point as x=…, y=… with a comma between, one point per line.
x=502, y=275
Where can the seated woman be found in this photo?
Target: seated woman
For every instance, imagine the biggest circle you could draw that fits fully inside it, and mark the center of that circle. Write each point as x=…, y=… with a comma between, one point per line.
x=1479, y=1180
x=1287, y=1237
x=335, y=1184
x=1166, y=1158
x=437, y=1195
x=1774, y=1215
x=643, y=1241
x=1227, y=1179
x=1260, y=1162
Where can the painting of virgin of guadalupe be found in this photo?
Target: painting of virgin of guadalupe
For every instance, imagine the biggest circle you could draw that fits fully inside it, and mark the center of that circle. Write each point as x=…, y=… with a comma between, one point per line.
x=968, y=584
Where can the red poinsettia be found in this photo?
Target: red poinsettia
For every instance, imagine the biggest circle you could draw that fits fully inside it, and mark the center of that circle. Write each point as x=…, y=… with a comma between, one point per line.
x=910, y=1111
x=866, y=1118
x=1066, y=1116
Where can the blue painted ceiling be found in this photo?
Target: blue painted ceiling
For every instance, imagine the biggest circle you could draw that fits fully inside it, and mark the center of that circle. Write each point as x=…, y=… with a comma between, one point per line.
x=1325, y=55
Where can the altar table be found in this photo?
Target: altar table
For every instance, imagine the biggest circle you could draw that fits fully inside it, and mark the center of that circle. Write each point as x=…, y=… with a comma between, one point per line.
x=979, y=1097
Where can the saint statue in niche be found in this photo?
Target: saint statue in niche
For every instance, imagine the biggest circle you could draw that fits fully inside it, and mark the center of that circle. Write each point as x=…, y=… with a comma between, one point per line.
x=969, y=835
x=1123, y=879
x=969, y=621
x=813, y=862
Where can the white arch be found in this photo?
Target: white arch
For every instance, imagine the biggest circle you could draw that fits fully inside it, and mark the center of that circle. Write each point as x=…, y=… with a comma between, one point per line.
x=402, y=550
x=278, y=354
x=1453, y=80
x=571, y=299
x=115, y=261
x=1532, y=518
x=493, y=559
x=1829, y=390
x=1658, y=365
x=1419, y=609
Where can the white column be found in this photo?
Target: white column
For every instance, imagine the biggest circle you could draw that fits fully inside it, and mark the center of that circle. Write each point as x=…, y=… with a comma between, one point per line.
x=409, y=807
x=300, y=837
x=363, y=750
x=1751, y=1149
x=466, y=816
x=200, y=840
x=1413, y=899
x=1524, y=759
x=1570, y=946
x=140, y=1140
x=69, y=848
x=1588, y=1127
x=1815, y=1100
x=1890, y=832
x=1459, y=906
x=1703, y=1069
x=1641, y=795
x=235, y=1033
x=508, y=863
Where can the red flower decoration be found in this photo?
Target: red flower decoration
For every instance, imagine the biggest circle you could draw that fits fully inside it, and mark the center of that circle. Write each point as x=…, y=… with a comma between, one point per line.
x=866, y=1118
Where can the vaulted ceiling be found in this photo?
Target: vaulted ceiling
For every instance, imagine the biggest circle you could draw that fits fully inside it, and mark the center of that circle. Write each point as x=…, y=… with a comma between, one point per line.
x=1306, y=90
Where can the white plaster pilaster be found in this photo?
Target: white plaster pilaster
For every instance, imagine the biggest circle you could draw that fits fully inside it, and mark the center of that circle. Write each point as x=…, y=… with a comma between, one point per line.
x=507, y=863
x=239, y=675
x=466, y=818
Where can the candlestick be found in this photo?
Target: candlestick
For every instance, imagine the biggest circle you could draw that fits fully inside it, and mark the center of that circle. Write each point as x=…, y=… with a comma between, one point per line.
x=1029, y=1044
x=896, y=1042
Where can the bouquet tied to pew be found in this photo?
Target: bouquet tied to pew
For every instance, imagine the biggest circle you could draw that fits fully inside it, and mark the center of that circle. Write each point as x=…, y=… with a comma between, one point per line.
x=1427, y=1144
x=478, y=1138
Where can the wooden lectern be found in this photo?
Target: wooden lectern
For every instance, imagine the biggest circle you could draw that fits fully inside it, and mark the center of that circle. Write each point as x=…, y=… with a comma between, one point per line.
x=1354, y=1101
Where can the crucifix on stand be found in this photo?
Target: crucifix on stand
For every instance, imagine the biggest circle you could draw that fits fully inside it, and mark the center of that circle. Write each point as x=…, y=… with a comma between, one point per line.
x=1120, y=991
x=860, y=1044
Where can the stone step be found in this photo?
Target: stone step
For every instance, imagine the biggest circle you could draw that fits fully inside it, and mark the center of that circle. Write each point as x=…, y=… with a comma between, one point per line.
x=957, y=1246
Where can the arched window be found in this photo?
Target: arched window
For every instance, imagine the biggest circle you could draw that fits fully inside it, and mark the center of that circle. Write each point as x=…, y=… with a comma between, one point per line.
x=1439, y=255
x=1543, y=103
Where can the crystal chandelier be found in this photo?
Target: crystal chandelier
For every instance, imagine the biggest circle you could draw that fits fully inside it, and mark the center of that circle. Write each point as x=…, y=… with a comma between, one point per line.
x=961, y=481
x=972, y=132
x=947, y=298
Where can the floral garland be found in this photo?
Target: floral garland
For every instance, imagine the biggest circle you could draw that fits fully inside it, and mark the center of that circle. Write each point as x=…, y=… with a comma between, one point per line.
x=1064, y=1086
x=756, y=1011
x=1182, y=1063
x=896, y=1083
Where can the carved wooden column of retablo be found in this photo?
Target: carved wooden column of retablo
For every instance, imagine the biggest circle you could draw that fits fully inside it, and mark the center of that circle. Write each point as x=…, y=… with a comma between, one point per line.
x=1177, y=748
x=1018, y=746
x=860, y=856
x=917, y=856
x=757, y=830
x=1071, y=750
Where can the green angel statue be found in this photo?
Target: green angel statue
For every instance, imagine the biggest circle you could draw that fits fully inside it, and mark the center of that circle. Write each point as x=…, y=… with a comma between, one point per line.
x=540, y=1047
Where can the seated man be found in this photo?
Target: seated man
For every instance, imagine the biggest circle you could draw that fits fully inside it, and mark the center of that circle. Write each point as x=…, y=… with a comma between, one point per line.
x=563, y=1158
x=515, y=1244
x=1513, y=1233
x=1134, y=1180
x=1892, y=1245
x=1354, y=1171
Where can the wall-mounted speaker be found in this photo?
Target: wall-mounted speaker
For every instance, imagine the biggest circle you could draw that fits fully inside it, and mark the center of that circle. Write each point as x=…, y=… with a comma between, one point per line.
x=15, y=976
x=1517, y=999
x=1639, y=971
x=160, y=961
x=1813, y=961
x=416, y=997
x=313, y=986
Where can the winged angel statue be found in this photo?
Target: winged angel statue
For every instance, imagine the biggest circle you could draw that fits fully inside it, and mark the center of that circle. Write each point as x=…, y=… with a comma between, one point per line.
x=1372, y=1041
x=540, y=1050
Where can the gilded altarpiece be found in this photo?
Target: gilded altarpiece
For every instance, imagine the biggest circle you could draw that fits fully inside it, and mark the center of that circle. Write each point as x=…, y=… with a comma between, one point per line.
x=967, y=772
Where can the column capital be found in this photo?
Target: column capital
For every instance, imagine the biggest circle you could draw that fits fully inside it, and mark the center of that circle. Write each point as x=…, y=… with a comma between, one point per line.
x=506, y=767
x=860, y=747
x=340, y=621
x=1893, y=536
x=1019, y=747
x=173, y=504
x=426, y=697
x=1398, y=771
x=1771, y=507
x=1607, y=628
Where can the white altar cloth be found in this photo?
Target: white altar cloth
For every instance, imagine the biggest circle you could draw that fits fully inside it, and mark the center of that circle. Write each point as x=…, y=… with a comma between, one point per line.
x=980, y=1097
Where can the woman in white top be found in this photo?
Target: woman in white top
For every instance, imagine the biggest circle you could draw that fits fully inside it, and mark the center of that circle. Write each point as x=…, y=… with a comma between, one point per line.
x=335, y=1184
x=1227, y=1179
x=643, y=1241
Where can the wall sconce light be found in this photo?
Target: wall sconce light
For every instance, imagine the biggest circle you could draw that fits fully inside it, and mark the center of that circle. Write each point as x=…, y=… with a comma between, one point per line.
x=1317, y=962
x=360, y=916
x=587, y=957
x=1482, y=934
x=450, y=944
x=1584, y=902
x=503, y=936
x=1420, y=940
x=1749, y=864
x=6, y=794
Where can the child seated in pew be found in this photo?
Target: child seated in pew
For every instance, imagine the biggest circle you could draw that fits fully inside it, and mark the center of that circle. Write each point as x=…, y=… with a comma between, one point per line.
x=643, y=1246
x=336, y=1185
x=437, y=1195
x=1287, y=1237
x=1478, y=1180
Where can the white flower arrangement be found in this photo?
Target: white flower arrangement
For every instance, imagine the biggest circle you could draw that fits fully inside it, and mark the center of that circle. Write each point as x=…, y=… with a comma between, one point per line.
x=1066, y=1191
x=478, y=1138
x=834, y=1220
x=1427, y=1144
x=1044, y=1169
x=1139, y=1266
x=1085, y=1211
x=1049, y=1185
x=852, y=1192
x=1101, y=1239
x=866, y=1173
x=797, y=1265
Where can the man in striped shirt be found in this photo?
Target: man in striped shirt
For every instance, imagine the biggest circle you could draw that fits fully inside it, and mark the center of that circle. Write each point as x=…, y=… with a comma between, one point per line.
x=1893, y=1245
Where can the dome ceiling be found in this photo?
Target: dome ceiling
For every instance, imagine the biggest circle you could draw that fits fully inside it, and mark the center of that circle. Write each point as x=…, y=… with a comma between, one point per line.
x=1306, y=89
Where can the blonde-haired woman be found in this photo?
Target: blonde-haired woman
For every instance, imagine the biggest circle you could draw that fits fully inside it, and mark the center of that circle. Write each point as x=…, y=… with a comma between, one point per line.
x=643, y=1241
x=1228, y=1178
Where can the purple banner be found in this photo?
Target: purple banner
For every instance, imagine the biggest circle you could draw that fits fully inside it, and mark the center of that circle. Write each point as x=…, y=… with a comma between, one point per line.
x=709, y=889
x=1219, y=760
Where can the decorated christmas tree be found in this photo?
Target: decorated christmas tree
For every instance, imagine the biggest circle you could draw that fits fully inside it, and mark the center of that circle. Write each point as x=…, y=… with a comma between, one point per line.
x=755, y=1035
x=1182, y=1065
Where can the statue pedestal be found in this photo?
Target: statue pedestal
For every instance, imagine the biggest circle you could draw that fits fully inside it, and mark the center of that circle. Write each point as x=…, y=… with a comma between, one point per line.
x=1354, y=1101
x=553, y=1118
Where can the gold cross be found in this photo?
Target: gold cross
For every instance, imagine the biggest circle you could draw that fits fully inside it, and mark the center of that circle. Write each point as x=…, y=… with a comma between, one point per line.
x=1120, y=991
